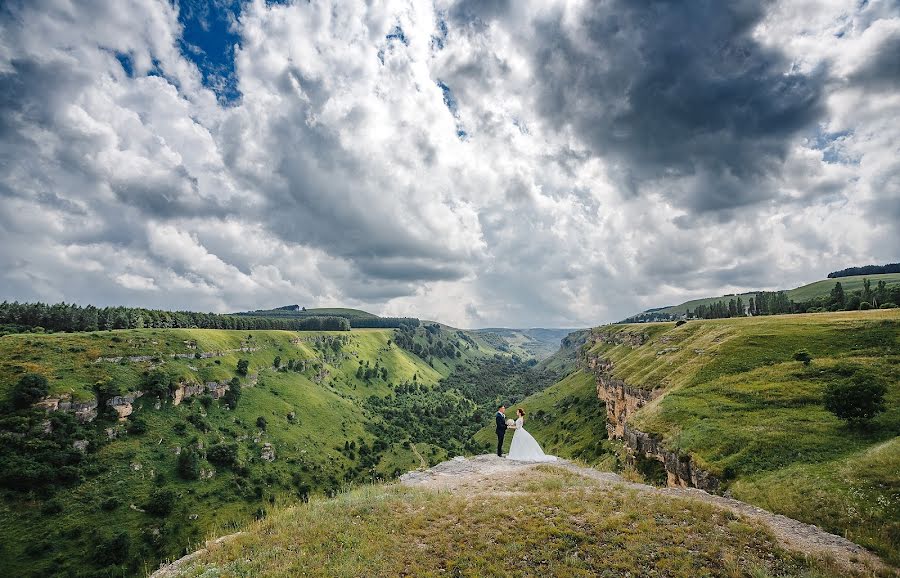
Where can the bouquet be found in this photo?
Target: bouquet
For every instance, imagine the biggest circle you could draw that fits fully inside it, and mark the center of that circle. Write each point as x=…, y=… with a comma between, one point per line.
x=510, y=423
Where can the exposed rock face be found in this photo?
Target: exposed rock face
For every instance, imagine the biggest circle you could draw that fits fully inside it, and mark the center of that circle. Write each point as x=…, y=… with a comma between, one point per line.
x=123, y=403
x=185, y=390
x=84, y=411
x=622, y=401
x=81, y=445
x=268, y=452
x=680, y=469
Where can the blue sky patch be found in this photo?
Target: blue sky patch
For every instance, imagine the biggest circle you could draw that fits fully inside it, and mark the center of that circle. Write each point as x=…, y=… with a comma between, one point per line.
x=208, y=40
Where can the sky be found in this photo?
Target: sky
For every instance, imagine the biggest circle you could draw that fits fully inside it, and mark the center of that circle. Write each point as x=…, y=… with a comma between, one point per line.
x=484, y=163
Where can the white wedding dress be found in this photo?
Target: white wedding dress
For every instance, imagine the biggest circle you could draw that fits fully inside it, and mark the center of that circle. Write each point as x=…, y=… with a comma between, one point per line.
x=525, y=448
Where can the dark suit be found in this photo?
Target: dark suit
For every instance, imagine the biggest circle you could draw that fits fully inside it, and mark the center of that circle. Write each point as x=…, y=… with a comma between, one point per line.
x=501, y=432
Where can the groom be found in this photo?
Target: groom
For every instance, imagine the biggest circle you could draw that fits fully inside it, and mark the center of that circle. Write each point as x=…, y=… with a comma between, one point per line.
x=501, y=428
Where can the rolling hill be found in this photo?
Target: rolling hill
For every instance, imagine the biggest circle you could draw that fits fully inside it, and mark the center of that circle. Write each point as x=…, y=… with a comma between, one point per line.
x=803, y=293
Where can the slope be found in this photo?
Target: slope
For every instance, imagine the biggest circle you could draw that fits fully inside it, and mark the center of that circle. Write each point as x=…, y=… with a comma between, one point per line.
x=729, y=395
x=492, y=517
x=111, y=495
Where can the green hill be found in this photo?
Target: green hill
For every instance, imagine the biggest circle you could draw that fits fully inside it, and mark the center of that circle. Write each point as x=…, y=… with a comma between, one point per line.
x=108, y=497
x=803, y=293
x=315, y=312
x=729, y=394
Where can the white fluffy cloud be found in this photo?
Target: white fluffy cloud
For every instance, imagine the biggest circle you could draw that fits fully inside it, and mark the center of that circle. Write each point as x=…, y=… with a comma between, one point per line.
x=482, y=163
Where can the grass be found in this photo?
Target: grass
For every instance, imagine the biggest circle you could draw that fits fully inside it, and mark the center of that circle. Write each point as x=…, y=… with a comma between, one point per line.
x=736, y=401
x=328, y=410
x=546, y=523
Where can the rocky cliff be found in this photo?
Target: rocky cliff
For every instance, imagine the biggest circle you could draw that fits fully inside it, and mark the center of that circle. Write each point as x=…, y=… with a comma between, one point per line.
x=622, y=401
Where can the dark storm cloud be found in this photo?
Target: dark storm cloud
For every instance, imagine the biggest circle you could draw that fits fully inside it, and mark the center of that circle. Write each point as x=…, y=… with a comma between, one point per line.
x=409, y=270
x=672, y=90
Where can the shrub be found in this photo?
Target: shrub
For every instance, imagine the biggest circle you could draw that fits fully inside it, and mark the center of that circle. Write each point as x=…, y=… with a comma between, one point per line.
x=804, y=356
x=112, y=550
x=888, y=306
x=206, y=400
x=188, y=465
x=242, y=366
x=261, y=423
x=179, y=428
x=136, y=426
x=31, y=388
x=160, y=502
x=51, y=507
x=857, y=399
x=157, y=383
x=109, y=504
x=680, y=322
x=865, y=305
x=222, y=454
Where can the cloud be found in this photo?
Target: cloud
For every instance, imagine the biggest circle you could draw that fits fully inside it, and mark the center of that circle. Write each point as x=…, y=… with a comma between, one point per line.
x=480, y=163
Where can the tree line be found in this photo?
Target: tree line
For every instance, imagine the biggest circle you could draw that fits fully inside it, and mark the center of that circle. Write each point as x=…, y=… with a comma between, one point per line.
x=778, y=303
x=20, y=317
x=866, y=270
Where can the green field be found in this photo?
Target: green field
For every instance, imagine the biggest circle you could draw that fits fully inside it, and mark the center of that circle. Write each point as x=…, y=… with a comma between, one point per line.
x=736, y=401
x=803, y=293
x=312, y=416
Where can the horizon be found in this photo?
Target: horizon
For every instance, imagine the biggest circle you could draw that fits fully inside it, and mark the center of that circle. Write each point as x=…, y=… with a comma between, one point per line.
x=485, y=164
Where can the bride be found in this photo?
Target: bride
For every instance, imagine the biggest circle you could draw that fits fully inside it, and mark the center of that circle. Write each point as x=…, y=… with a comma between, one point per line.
x=524, y=447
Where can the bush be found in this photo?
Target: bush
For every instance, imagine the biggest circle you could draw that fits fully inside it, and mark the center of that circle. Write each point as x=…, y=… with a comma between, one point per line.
x=160, y=503
x=157, y=383
x=206, y=400
x=136, y=426
x=242, y=366
x=222, y=454
x=865, y=305
x=188, y=465
x=680, y=322
x=857, y=399
x=804, y=356
x=112, y=550
x=51, y=507
x=261, y=423
x=110, y=504
x=31, y=388
x=888, y=306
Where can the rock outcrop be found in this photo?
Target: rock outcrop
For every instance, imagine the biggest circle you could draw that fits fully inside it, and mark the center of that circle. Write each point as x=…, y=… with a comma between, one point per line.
x=122, y=404
x=84, y=411
x=622, y=401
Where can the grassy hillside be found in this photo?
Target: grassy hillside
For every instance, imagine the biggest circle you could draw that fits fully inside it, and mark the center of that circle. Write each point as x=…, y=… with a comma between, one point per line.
x=124, y=502
x=736, y=400
x=803, y=293
x=553, y=524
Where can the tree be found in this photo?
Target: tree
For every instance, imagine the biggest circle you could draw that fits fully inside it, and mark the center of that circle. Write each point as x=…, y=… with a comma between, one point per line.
x=277, y=361
x=261, y=423
x=857, y=399
x=222, y=454
x=31, y=388
x=233, y=393
x=837, y=296
x=188, y=465
x=242, y=366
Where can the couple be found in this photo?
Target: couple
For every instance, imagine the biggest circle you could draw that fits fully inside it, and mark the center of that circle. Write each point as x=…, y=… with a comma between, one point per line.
x=523, y=446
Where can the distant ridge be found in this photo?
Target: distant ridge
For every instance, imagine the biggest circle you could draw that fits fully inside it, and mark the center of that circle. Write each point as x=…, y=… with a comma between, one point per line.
x=866, y=270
